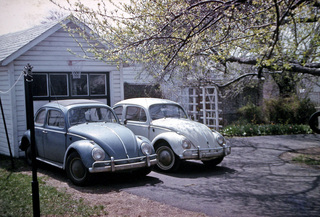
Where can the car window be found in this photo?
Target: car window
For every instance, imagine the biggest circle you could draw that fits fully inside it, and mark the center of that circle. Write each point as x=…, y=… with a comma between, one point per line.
x=166, y=111
x=82, y=115
x=118, y=111
x=40, y=118
x=135, y=113
x=56, y=119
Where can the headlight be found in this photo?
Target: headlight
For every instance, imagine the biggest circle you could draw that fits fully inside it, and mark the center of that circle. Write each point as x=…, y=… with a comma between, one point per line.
x=220, y=139
x=186, y=144
x=146, y=148
x=98, y=154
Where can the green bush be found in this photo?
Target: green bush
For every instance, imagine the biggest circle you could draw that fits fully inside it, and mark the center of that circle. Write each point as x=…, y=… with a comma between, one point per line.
x=266, y=129
x=251, y=113
x=289, y=110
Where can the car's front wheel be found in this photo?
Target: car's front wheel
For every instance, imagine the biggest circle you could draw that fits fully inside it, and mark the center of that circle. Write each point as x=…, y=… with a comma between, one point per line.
x=314, y=122
x=167, y=159
x=212, y=163
x=76, y=171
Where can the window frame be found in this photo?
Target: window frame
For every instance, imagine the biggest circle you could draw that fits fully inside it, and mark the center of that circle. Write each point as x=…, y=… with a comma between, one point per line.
x=51, y=97
x=51, y=86
x=44, y=117
x=74, y=79
x=61, y=117
x=139, y=114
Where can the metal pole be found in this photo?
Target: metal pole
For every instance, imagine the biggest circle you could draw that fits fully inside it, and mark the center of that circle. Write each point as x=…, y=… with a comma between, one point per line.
x=30, y=124
x=6, y=130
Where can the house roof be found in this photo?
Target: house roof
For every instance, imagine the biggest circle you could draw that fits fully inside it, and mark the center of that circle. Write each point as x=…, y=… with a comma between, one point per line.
x=13, y=45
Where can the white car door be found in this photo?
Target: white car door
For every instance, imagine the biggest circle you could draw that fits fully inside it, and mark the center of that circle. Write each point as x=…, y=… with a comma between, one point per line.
x=136, y=120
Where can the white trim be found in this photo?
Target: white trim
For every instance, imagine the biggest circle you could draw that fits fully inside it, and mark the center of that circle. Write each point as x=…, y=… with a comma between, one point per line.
x=121, y=80
x=14, y=139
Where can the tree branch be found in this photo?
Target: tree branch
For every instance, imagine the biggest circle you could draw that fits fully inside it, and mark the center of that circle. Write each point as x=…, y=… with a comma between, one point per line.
x=310, y=68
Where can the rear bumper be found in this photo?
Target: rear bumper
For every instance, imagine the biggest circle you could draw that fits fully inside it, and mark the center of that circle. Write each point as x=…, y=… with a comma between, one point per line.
x=206, y=153
x=123, y=164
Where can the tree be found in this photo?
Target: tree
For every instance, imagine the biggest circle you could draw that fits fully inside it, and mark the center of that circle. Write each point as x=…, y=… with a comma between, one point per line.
x=54, y=15
x=190, y=39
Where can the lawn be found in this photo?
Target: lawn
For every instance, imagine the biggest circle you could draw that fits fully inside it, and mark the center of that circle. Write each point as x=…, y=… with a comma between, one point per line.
x=16, y=197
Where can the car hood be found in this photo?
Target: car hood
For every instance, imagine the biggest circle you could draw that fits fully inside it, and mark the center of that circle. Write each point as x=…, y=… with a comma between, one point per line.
x=199, y=134
x=117, y=140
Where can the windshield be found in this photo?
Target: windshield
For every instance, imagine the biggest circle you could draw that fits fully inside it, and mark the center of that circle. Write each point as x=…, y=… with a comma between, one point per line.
x=82, y=115
x=166, y=111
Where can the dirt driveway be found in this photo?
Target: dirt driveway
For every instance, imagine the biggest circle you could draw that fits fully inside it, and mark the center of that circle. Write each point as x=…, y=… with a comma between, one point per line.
x=118, y=202
x=115, y=201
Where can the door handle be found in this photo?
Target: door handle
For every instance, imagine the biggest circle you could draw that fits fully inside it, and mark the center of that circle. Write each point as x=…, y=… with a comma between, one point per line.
x=44, y=131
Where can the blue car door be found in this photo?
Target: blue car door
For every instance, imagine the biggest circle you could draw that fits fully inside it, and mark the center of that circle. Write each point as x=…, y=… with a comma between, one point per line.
x=38, y=131
x=55, y=136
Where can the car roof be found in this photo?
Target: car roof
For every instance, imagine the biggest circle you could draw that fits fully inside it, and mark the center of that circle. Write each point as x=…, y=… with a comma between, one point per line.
x=145, y=102
x=71, y=102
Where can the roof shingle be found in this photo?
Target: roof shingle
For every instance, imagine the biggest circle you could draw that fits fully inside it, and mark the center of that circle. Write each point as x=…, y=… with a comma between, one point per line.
x=12, y=42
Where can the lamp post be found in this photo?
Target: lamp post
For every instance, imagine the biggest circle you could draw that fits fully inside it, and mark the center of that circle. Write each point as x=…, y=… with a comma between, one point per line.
x=30, y=125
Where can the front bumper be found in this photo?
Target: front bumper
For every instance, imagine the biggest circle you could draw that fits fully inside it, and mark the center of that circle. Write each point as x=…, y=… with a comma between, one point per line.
x=113, y=165
x=206, y=153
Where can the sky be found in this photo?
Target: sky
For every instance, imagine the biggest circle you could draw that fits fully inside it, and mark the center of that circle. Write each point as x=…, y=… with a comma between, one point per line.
x=16, y=15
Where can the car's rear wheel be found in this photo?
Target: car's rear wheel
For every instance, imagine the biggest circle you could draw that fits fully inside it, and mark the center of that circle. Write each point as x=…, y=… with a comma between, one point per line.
x=212, y=163
x=28, y=155
x=167, y=159
x=76, y=171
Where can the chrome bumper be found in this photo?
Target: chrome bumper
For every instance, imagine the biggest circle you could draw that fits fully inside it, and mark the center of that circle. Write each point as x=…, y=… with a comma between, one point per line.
x=113, y=165
x=205, y=153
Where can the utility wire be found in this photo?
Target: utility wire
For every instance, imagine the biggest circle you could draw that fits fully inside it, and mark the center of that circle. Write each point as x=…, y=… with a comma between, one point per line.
x=4, y=92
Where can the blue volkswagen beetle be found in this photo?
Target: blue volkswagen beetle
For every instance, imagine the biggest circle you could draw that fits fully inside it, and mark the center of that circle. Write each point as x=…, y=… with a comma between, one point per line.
x=85, y=137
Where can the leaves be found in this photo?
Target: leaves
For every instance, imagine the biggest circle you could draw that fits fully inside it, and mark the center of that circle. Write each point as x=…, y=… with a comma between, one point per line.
x=193, y=36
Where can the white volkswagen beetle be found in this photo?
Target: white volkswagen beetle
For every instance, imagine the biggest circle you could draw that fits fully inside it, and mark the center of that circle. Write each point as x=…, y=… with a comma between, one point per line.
x=174, y=136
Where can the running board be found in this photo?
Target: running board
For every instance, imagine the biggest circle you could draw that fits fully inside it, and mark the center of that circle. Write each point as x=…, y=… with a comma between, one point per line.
x=52, y=163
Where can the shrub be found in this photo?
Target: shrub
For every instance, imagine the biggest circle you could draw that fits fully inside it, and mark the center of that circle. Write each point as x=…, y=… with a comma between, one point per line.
x=263, y=130
x=251, y=113
x=289, y=110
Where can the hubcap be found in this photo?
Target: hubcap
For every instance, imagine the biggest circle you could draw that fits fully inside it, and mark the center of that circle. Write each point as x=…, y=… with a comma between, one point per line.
x=77, y=169
x=165, y=157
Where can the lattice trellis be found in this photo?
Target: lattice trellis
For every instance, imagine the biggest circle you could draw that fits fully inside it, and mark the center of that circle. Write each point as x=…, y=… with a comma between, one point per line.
x=202, y=104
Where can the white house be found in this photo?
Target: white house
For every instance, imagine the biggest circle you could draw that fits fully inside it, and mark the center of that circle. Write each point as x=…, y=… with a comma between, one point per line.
x=46, y=49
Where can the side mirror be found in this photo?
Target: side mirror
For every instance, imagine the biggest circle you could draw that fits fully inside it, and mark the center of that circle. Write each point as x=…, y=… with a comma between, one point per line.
x=125, y=121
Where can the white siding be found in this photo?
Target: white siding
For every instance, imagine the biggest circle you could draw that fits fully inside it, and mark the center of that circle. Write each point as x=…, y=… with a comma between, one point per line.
x=135, y=75
x=6, y=81
x=50, y=55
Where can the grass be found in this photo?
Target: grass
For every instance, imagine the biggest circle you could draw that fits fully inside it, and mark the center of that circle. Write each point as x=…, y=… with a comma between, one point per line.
x=306, y=159
x=267, y=129
x=16, y=197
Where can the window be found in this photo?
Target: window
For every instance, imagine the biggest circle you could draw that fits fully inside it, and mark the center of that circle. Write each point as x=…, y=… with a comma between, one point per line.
x=58, y=85
x=166, y=111
x=55, y=119
x=79, y=85
x=41, y=115
x=53, y=86
x=82, y=115
x=97, y=84
x=118, y=111
x=136, y=114
x=40, y=85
